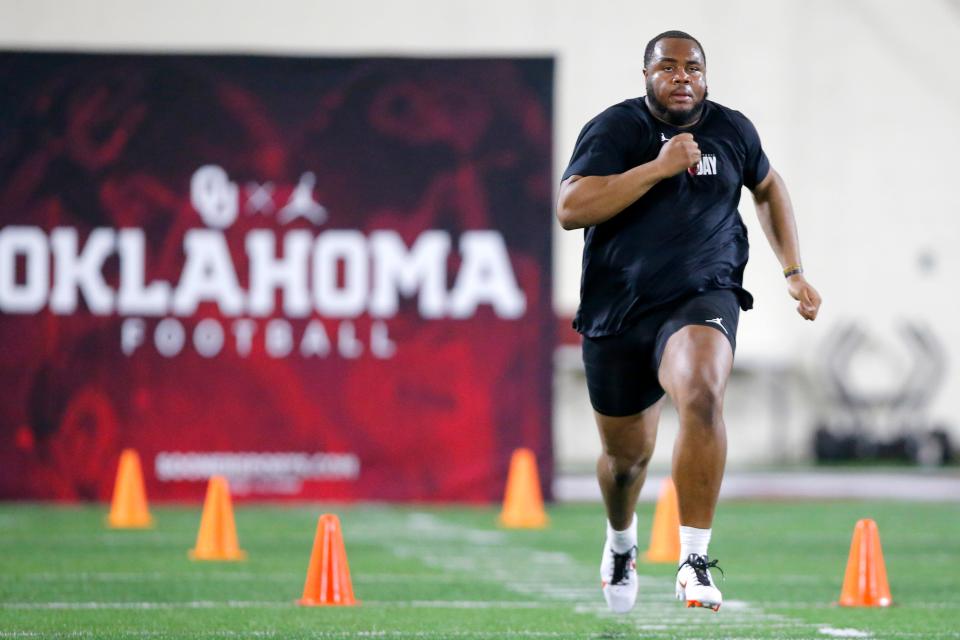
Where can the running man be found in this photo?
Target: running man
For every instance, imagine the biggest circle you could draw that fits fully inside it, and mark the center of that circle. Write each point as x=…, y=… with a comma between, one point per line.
x=655, y=183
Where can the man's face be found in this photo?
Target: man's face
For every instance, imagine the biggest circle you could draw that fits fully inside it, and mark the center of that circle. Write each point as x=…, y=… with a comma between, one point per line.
x=676, y=81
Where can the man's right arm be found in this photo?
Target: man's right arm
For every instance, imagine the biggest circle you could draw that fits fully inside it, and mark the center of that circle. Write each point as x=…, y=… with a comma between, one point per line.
x=589, y=200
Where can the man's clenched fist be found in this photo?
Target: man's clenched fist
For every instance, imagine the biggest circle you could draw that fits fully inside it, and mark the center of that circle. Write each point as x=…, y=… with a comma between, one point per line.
x=679, y=154
x=804, y=293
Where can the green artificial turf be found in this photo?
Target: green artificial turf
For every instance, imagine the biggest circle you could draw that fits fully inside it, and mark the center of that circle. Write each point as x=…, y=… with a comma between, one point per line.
x=429, y=572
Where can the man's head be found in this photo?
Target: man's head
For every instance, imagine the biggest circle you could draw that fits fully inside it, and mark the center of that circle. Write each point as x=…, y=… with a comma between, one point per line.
x=674, y=66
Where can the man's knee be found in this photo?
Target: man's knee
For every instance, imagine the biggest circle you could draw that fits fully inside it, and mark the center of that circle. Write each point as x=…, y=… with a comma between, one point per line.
x=625, y=469
x=700, y=399
x=694, y=372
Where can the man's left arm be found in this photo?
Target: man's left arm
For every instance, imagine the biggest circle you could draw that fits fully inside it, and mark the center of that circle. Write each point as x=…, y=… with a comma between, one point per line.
x=776, y=218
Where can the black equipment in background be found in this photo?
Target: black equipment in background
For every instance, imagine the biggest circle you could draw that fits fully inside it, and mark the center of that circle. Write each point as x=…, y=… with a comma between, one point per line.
x=891, y=425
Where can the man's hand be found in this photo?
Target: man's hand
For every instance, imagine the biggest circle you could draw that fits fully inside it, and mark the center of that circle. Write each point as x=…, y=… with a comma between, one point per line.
x=679, y=154
x=805, y=294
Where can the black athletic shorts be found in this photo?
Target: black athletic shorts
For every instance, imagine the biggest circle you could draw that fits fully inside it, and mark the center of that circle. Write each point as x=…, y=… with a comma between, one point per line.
x=622, y=369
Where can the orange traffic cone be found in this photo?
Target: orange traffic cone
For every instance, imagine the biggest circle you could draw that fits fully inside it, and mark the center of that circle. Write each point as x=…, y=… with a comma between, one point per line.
x=328, y=576
x=128, y=510
x=665, y=533
x=217, y=538
x=865, y=583
x=522, y=502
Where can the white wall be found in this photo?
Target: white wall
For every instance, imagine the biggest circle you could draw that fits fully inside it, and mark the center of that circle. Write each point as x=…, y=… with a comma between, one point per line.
x=856, y=102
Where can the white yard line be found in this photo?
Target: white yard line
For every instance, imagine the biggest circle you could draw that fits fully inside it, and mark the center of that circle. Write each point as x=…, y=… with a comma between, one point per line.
x=137, y=633
x=462, y=604
x=272, y=604
x=844, y=633
x=141, y=576
x=219, y=576
x=557, y=577
x=790, y=604
x=191, y=604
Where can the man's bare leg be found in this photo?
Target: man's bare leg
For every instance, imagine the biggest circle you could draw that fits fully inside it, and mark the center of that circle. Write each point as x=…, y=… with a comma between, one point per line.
x=694, y=369
x=622, y=467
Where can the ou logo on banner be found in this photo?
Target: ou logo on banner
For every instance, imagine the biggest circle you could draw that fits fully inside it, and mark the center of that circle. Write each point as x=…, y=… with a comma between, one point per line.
x=214, y=197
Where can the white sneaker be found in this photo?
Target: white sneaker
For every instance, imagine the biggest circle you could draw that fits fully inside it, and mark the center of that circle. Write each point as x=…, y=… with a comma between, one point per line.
x=695, y=584
x=618, y=578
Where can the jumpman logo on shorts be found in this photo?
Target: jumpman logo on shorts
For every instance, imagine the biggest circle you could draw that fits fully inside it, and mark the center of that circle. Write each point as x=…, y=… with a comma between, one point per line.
x=718, y=322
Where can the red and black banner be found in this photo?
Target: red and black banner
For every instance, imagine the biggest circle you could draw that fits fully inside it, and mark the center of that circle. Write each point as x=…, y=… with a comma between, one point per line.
x=322, y=278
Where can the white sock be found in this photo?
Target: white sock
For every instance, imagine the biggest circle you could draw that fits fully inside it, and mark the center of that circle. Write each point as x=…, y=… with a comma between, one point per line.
x=693, y=540
x=623, y=541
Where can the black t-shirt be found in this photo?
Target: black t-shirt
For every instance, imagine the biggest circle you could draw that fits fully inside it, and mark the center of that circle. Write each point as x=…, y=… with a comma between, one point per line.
x=681, y=237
